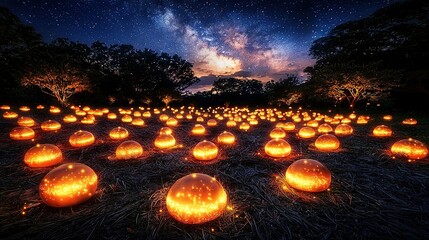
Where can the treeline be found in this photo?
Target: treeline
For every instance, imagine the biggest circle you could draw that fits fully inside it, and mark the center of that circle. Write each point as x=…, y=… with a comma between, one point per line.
x=75, y=72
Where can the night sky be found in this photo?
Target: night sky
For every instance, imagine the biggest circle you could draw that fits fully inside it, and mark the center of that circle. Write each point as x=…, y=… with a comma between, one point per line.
x=262, y=39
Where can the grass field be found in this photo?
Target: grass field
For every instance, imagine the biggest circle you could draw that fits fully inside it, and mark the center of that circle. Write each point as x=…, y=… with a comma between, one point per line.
x=372, y=196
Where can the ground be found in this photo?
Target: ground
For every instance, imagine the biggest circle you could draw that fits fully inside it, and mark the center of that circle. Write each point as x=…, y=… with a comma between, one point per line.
x=371, y=195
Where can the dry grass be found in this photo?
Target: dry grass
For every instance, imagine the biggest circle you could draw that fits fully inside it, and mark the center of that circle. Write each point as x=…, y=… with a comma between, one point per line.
x=371, y=197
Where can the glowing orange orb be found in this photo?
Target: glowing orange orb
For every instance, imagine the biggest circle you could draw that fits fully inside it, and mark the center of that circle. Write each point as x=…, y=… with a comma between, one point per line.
x=387, y=117
x=313, y=123
x=163, y=117
x=5, y=107
x=54, y=110
x=165, y=130
x=200, y=119
x=343, y=129
x=10, y=115
x=68, y=185
x=165, y=141
x=244, y=126
x=306, y=132
x=138, y=122
x=382, y=131
x=26, y=122
x=211, y=122
x=277, y=133
x=172, y=122
x=289, y=126
x=24, y=108
x=205, y=151
x=196, y=198
x=409, y=148
x=226, y=138
x=43, y=155
x=308, y=175
x=277, y=148
x=325, y=128
x=69, y=118
x=50, y=125
x=129, y=150
x=118, y=133
x=327, y=142
x=111, y=116
x=21, y=133
x=126, y=118
x=198, y=129
x=409, y=121
x=147, y=114
x=231, y=123
x=81, y=139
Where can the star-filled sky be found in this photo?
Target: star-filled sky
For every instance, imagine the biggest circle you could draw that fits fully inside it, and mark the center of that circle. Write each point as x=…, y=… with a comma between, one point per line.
x=262, y=39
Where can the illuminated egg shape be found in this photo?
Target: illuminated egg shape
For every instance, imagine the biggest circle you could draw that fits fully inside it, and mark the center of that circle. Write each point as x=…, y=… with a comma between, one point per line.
x=68, y=185
x=126, y=118
x=273, y=119
x=306, y=132
x=409, y=121
x=138, y=122
x=118, y=133
x=98, y=112
x=137, y=114
x=88, y=120
x=277, y=148
x=253, y=122
x=297, y=119
x=129, y=150
x=165, y=141
x=5, y=107
x=147, y=114
x=81, y=139
x=361, y=120
x=40, y=107
x=313, y=123
x=69, y=118
x=212, y=122
x=50, y=125
x=80, y=113
x=343, y=129
x=336, y=121
x=244, y=126
x=188, y=116
x=165, y=130
x=289, y=126
x=205, y=151
x=196, y=198
x=352, y=116
x=231, y=123
x=163, y=117
x=105, y=110
x=325, y=128
x=26, y=122
x=179, y=116
x=54, y=110
x=409, y=148
x=43, y=155
x=327, y=142
x=387, y=117
x=172, y=122
x=226, y=138
x=198, y=129
x=86, y=108
x=21, y=133
x=10, y=115
x=111, y=116
x=24, y=108
x=382, y=131
x=346, y=120
x=200, y=119
x=308, y=175
x=277, y=133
